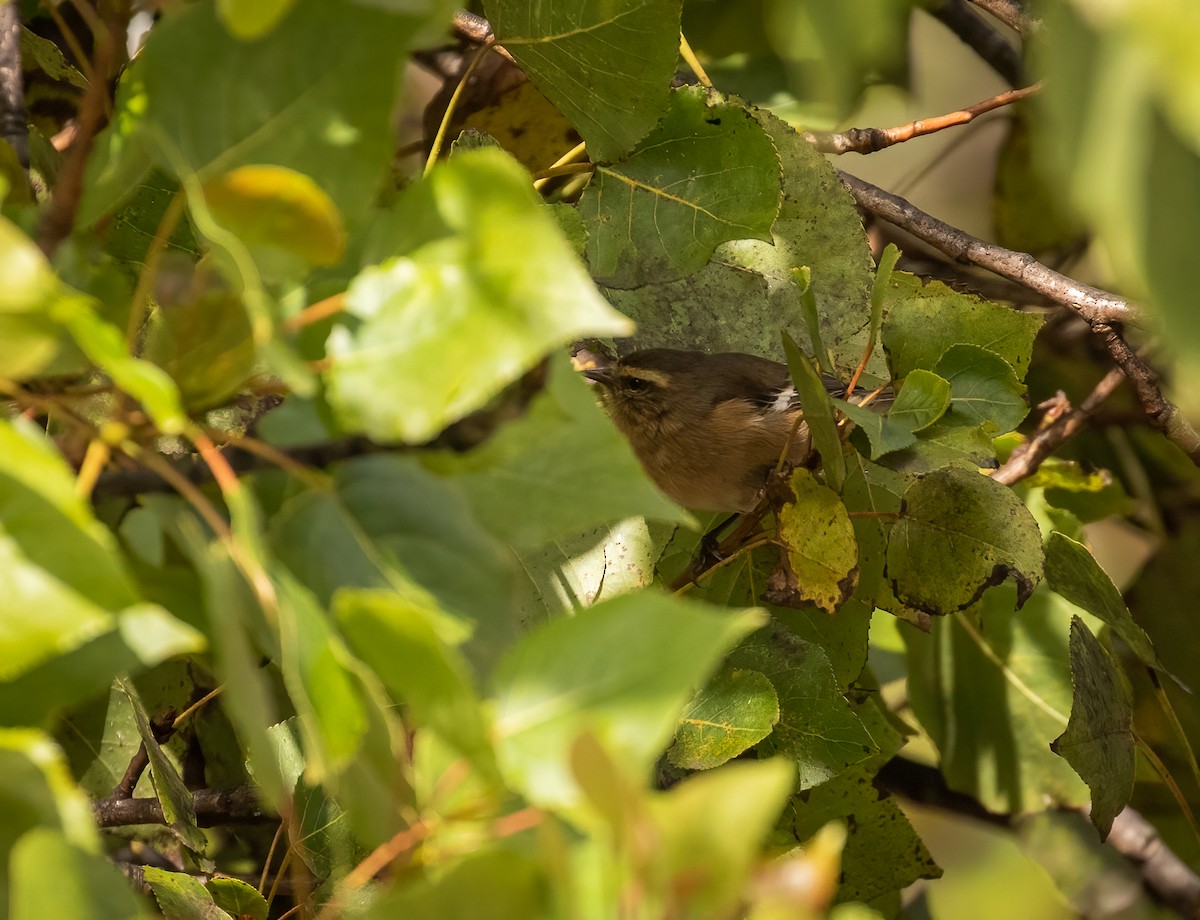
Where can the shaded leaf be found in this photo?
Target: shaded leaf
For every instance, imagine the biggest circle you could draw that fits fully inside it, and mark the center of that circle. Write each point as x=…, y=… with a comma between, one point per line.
x=983, y=387
x=924, y=319
x=180, y=896
x=958, y=534
x=921, y=400
x=973, y=665
x=706, y=174
x=1074, y=574
x=175, y=798
x=817, y=226
x=817, y=728
x=818, y=416
x=734, y=711
x=1098, y=742
x=237, y=898
x=606, y=66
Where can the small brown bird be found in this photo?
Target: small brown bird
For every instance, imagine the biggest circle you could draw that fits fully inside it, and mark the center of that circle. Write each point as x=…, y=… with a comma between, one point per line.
x=707, y=428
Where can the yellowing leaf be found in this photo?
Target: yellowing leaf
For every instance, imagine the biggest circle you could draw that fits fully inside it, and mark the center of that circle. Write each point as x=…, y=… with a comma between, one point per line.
x=276, y=206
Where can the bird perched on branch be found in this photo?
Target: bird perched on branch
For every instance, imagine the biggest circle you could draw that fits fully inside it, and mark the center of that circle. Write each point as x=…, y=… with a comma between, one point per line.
x=707, y=428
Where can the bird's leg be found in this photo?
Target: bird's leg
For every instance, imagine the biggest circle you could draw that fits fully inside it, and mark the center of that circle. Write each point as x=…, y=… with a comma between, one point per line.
x=709, y=552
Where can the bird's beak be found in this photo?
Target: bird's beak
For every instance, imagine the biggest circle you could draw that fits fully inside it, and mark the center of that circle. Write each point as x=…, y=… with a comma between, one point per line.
x=600, y=375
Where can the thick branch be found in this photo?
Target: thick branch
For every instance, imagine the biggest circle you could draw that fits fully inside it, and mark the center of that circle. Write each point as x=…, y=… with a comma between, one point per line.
x=978, y=34
x=869, y=140
x=1093, y=304
x=1164, y=415
x=214, y=808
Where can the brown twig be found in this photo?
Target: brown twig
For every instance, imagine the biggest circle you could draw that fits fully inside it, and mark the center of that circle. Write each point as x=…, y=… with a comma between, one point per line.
x=980, y=36
x=1093, y=304
x=869, y=140
x=1025, y=460
x=1163, y=414
x=59, y=218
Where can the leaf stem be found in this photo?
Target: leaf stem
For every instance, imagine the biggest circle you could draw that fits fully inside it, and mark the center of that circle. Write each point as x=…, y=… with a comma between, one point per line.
x=440, y=138
x=1165, y=702
x=686, y=52
x=1169, y=781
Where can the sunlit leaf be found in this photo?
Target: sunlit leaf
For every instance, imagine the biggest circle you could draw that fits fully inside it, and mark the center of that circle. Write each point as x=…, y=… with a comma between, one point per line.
x=734, y=711
x=706, y=174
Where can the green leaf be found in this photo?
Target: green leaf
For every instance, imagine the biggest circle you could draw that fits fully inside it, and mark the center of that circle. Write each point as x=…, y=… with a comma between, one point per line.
x=924, y=319
x=711, y=828
x=973, y=665
x=319, y=677
x=623, y=670
x=875, y=492
x=206, y=346
x=278, y=207
x=1099, y=742
x=707, y=174
x=252, y=20
x=462, y=312
x=884, y=433
x=817, y=729
x=509, y=882
x=921, y=400
x=399, y=639
x=390, y=524
x=233, y=617
x=105, y=345
x=948, y=442
x=882, y=854
x=175, y=798
x=734, y=711
x=834, y=52
x=180, y=896
x=817, y=227
x=818, y=414
x=237, y=898
x=606, y=66
x=819, y=540
x=38, y=792
x=84, y=885
x=1074, y=574
x=983, y=387
x=958, y=534
x=199, y=101
x=559, y=470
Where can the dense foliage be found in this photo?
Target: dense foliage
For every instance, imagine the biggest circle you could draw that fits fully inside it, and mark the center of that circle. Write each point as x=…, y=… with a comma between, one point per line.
x=328, y=587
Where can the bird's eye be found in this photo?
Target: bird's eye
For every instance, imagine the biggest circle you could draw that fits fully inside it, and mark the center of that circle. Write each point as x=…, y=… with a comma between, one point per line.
x=636, y=384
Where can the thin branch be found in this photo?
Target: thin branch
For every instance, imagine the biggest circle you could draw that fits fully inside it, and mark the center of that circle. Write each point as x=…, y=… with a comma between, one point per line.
x=1010, y=12
x=869, y=140
x=1093, y=304
x=214, y=808
x=1164, y=415
x=1026, y=459
x=980, y=36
